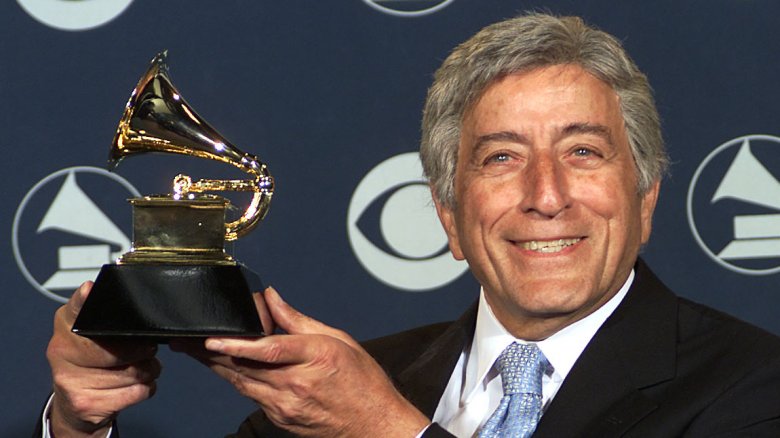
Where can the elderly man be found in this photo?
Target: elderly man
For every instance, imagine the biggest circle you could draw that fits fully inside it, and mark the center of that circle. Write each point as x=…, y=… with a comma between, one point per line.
x=543, y=148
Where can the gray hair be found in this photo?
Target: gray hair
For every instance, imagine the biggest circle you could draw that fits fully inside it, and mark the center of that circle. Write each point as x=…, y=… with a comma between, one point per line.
x=522, y=44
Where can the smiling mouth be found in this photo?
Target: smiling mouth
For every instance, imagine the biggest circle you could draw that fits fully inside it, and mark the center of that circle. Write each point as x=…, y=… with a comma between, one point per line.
x=549, y=246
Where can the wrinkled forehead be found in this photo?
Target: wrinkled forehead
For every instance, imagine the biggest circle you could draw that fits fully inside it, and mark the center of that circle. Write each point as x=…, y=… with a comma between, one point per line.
x=558, y=96
x=479, y=87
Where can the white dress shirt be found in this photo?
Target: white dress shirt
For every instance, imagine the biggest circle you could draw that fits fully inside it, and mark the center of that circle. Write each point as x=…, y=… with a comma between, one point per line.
x=474, y=390
x=45, y=420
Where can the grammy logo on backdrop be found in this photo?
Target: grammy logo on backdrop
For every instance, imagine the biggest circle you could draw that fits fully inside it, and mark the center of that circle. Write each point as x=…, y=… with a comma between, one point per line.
x=177, y=280
x=74, y=212
x=733, y=205
x=756, y=235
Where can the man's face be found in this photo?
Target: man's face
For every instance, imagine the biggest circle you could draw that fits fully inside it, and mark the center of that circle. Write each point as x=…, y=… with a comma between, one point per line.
x=547, y=211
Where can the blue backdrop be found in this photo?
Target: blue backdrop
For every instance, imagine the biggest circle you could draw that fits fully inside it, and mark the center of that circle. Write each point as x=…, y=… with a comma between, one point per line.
x=329, y=94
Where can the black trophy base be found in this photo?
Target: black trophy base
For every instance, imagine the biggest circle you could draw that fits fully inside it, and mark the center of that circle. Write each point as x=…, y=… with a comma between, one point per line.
x=170, y=301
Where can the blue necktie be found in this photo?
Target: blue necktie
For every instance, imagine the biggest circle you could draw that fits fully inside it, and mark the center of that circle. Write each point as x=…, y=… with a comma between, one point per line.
x=521, y=367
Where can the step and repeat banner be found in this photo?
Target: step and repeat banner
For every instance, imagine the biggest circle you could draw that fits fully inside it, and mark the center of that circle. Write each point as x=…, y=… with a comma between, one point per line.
x=329, y=95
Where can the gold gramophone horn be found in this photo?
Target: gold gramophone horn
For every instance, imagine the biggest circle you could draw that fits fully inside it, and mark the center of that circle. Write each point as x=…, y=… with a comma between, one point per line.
x=158, y=119
x=177, y=280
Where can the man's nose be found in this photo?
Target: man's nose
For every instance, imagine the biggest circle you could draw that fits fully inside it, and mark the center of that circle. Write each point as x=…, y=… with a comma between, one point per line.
x=546, y=188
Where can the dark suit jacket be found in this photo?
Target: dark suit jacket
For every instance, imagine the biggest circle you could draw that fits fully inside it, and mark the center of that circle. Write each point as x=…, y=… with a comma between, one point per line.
x=660, y=366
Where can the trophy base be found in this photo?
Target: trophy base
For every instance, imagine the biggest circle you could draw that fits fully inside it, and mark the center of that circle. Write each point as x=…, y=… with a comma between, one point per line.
x=163, y=301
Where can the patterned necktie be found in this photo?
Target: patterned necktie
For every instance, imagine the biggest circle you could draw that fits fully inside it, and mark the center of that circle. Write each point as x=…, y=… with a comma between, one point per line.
x=521, y=367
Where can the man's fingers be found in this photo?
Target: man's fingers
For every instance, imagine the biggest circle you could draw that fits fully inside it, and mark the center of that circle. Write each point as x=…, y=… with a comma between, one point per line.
x=198, y=351
x=269, y=386
x=87, y=353
x=276, y=349
x=195, y=348
x=81, y=351
x=295, y=322
x=307, y=338
x=95, y=379
x=109, y=401
x=266, y=320
x=250, y=386
x=286, y=317
x=146, y=371
x=125, y=352
x=88, y=401
x=76, y=300
x=118, y=377
x=268, y=349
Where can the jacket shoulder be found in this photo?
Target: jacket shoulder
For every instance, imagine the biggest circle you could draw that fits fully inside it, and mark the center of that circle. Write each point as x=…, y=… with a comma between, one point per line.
x=697, y=322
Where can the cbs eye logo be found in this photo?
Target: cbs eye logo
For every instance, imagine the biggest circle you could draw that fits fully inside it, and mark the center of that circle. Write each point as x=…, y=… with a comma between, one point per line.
x=406, y=247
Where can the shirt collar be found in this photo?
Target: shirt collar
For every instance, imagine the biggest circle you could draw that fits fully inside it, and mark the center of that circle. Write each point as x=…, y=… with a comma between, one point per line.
x=562, y=349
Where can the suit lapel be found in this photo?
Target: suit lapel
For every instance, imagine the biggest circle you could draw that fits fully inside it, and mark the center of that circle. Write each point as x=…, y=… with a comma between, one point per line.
x=634, y=349
x=602, y=395
x=424, y=381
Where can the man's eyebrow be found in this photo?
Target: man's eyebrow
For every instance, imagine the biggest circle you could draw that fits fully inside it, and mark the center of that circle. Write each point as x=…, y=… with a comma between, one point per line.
x=587, y=128
x=501, y=136
x=518, y=138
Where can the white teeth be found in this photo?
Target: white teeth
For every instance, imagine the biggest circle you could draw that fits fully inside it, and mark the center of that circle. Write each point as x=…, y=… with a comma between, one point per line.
x=549, y=246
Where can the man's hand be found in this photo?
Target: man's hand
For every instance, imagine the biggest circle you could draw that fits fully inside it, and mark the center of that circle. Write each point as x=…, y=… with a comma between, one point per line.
x=94, y=381
x=313, y=381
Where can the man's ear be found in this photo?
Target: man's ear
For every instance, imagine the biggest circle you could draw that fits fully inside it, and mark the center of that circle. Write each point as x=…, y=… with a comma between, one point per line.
x=649, y=200
x=447, y=219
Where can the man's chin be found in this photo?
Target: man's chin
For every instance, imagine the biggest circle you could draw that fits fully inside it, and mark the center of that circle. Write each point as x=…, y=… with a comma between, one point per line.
x=553, y=304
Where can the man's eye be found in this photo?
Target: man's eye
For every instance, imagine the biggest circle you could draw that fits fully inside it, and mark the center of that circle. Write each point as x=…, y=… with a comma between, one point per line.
x=586, y=152
x=498, y=158
x=583, y=152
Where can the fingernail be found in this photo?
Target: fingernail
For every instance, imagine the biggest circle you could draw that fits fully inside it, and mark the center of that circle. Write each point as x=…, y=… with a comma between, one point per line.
x=83, y=288
x=275, y=292
x=214, y=345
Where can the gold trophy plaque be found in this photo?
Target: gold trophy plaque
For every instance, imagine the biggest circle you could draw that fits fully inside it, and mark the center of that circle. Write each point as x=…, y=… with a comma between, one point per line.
x=177, y=280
